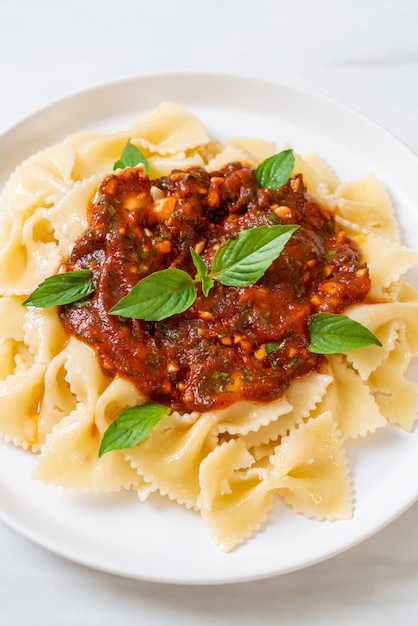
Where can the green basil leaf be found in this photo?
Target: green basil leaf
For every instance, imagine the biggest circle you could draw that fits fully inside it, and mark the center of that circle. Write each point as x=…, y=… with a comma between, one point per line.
x=202, y=272
x=61, y=289
x=275, y=171
x=132, y=426
x=130, y=157
x=157, y=296
x=242, y=261
x=331, y=333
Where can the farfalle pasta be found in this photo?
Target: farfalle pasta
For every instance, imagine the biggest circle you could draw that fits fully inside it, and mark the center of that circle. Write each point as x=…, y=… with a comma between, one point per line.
x=229, y=463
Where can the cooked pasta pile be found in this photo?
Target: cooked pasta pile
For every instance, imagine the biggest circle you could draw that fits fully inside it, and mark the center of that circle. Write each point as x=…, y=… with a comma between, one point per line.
x=228, y=464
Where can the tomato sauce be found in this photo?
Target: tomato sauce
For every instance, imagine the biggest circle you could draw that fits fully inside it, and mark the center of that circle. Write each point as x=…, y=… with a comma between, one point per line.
x=237, y=342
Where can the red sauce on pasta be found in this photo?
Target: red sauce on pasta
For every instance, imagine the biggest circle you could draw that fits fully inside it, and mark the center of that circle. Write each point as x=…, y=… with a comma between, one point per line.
x=238, y=342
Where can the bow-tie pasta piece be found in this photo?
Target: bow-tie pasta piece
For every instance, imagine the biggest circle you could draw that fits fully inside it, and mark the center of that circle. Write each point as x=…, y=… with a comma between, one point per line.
x=350, y=402
x=311, y=471
x=396, y=396
x=364, y=206
x=235, y=500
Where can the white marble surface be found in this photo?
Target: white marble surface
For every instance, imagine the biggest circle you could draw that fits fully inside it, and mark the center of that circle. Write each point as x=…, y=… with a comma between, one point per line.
x=363, y=53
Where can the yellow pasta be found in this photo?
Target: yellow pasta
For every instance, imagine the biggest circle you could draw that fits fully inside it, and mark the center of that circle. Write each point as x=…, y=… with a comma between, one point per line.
x=389, y=321
x=229, y=464
x=39, y=181
x=20, y=396
x=235, y=499
x=387, y=262
x=325, y=175
x=396, y=396
x=301, y=397
x=350, y=402
x=67, y=218
x=365, y=206
x=311, y=470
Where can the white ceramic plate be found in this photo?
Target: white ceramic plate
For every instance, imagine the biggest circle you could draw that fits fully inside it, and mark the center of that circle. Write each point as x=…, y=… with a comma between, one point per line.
x=158, y=540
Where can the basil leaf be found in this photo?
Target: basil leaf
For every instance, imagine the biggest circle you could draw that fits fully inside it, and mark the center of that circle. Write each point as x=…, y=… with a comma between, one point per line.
x=61, y=289
x=202, y=272
x=132, y=426
x=275, y=171
x=331, y=333
x=157, y=296
x=242, y=261
x=130, y=157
